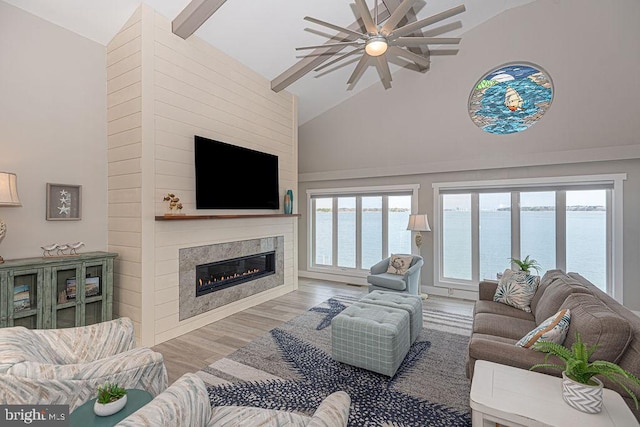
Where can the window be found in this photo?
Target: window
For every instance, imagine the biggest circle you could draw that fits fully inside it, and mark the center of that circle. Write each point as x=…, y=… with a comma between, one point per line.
x=346, y=232
x=538, y=227
x=352, y=229
x=456, y=236
x=587, y=234
x=494, y=233
x=322, y=231
x=570, y=223
x=371, y=230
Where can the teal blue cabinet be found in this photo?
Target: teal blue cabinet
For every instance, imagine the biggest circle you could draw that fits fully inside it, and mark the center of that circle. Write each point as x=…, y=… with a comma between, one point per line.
x=57, y=292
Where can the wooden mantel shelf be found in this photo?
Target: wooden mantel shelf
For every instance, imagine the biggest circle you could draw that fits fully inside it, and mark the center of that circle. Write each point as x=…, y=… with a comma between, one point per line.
x=189, y=217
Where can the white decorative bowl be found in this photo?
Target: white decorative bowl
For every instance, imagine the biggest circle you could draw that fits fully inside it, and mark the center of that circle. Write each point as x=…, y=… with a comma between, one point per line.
x=106, y=409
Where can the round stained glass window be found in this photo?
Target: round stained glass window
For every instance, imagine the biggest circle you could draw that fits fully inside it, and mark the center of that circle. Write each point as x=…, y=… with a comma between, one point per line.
x=510, y=98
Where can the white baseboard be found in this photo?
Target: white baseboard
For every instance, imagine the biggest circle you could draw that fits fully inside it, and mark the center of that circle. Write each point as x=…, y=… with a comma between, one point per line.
x=451, y=292
x=360, y=281
x=341, y=278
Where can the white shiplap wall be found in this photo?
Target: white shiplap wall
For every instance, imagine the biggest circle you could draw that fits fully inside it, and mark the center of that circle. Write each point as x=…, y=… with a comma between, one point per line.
x=188, y=87
x=124, y=130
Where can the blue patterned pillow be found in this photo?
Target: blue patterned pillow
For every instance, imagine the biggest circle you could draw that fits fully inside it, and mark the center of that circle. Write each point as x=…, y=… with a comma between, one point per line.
x=554, y=329
x=516, y=288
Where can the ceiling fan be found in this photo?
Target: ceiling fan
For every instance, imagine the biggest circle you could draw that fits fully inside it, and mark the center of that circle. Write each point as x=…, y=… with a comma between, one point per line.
x=382, y=39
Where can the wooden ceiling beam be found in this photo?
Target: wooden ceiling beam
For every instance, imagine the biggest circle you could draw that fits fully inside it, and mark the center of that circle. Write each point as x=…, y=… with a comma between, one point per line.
x=193, y=16
x=317, y=57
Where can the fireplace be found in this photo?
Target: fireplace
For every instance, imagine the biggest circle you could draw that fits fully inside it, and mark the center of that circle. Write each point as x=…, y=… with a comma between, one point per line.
x=220, y=275
x=269, y=252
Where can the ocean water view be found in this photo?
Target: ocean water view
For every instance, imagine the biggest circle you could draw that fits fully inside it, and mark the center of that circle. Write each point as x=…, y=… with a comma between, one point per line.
x=585, y=241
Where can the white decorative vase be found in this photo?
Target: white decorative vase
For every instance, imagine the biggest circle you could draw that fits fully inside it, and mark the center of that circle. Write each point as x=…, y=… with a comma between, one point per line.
x=106, y=409
x=583, y=397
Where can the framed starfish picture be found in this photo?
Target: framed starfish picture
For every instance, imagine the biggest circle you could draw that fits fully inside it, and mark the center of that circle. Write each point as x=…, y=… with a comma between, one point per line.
x=64, y=202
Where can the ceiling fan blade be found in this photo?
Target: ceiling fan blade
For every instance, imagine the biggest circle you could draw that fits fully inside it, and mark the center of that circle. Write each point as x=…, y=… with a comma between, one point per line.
x=434, y=32
x=357, y=72
x=396, y=16
x=338, y=59
x=383, y=69
x=375, y=13
x=329, y=45
x=443, y=52
x=420, y=60
x=365, y=15
x=410, y=28
x=417, y=41
x=335, y=27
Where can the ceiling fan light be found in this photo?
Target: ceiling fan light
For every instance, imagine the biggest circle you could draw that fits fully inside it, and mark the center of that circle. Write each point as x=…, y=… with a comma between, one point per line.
x=376, y=46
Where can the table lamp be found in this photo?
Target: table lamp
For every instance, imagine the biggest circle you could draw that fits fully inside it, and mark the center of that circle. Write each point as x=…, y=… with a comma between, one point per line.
x=418, y=223
x=8, y=197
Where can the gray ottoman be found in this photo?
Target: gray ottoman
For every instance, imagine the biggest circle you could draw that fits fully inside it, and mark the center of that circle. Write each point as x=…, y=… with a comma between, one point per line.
x=412, y=304
x=370, y=336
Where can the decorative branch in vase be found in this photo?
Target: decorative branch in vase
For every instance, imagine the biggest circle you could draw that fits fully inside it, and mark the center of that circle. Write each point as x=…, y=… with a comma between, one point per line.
x=175, y=207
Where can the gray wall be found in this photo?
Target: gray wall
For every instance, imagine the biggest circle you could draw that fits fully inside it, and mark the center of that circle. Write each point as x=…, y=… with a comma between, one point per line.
x=52, y=129
x=420, y=130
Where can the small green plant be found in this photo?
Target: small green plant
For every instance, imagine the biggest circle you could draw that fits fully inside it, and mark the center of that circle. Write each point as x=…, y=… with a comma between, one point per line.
x=579, y=369
x=110, y=392
x=526, y=264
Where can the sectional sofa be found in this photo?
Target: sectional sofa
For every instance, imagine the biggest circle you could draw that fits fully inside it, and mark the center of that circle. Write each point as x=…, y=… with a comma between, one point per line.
x=598, y=318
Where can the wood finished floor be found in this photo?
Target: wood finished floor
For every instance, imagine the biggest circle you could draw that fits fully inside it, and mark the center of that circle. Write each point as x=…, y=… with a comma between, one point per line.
x=201, y=347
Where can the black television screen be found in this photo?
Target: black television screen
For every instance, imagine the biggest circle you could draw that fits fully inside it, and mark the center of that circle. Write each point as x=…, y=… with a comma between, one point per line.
x=232, y=177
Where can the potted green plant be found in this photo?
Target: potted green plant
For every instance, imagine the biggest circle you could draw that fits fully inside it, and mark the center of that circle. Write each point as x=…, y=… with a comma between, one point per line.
x=111, y=398
x=580, y=388
x=526, y=264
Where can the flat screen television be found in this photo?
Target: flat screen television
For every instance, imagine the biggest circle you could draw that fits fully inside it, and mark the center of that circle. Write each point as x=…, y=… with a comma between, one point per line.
x=232, y=177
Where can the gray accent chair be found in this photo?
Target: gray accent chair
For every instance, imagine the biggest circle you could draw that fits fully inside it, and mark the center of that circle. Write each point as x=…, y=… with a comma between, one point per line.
x=380, y=280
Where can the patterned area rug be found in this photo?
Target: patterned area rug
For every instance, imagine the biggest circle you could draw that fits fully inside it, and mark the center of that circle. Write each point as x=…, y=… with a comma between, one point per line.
x=291, y=368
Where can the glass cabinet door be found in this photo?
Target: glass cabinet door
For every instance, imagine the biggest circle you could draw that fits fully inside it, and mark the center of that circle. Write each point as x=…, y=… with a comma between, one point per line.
x=24, y=298
x=93, y=293
x=67, y=290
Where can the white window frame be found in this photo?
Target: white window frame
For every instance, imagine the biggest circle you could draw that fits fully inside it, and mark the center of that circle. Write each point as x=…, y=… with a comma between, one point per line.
x=388, y=190
x=614, y=220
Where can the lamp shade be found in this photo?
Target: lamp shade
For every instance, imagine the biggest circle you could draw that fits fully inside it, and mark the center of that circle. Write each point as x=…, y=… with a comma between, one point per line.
x=9, y=189
x=418, y=222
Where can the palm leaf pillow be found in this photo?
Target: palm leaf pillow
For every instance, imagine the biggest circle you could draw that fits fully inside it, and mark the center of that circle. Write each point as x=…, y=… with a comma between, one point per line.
x=516, y=288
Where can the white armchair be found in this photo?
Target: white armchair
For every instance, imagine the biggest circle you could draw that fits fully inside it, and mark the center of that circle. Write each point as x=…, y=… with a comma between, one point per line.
x=65, y=366
x=186, y=403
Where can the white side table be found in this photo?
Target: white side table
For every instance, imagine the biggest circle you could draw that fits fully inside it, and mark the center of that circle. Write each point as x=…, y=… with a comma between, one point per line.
x=517, y=397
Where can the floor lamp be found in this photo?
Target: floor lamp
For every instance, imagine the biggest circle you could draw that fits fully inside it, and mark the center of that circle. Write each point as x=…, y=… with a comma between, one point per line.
x=8, y=197
x=418, y=223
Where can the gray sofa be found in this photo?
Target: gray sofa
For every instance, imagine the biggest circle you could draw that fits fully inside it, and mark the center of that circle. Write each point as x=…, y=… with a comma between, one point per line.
x=600, y=319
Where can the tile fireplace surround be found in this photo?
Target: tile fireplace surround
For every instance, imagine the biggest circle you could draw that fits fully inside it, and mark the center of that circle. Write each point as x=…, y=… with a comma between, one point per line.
x=189, y=258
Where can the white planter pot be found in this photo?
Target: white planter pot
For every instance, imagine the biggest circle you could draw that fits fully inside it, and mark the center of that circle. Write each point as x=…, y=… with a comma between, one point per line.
x=106, y=409
x=583, y=397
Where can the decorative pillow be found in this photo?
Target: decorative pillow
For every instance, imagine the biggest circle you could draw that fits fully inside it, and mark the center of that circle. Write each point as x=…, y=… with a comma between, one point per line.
x=554, y=329
x=399, y=264
x=516, y=288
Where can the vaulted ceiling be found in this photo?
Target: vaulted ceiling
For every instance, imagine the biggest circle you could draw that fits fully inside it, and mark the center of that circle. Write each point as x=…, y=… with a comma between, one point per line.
x=263, y=34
